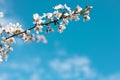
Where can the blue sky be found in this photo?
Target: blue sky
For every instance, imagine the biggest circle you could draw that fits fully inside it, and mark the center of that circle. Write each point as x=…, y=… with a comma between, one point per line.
x=94, y=46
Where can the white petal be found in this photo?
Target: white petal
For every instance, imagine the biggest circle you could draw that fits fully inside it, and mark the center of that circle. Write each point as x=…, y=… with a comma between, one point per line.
x=79, y=8
x=66, y=7
x=60, y=6
x=36, y=16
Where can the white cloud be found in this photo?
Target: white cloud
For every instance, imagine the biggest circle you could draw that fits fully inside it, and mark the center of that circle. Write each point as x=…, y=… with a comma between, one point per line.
x=72, y=68
x=115, y=76
x=61, y=52
x=9, y=14
x=76, y=68
x=79, y=68
x=20, y=68
x=1, y=14
x=26, y=66
x=35, y=77
x=4, y=76
x=69, y=68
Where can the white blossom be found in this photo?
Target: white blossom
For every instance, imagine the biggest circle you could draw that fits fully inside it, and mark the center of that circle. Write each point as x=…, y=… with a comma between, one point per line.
x=8, y=47
x=78, y=8
x=11, y=28
x=27, y=31
x=66, y=14
x=88, y=8
x=87, y=12
x=74, y=17
x=67, y=8
x=31, y=38
x=24, y=37
x=86, y=17
x=3, y=40
x=61, y=28
x=44, y=40
x=60, y=6
x=57, y=14
x=37, y=19
x=11, y=40
x=41, y=38
x=36, y=16
x=60, y=17
x=48, y=15
x=38, y=29
x=65, y=22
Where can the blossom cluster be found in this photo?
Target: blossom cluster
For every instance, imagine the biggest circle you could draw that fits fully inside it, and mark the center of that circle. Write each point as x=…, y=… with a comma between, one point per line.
x=60, y=17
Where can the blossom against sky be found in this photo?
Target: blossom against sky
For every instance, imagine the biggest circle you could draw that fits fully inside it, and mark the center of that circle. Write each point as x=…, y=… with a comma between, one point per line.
x=60, y=18
x=97, y=42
